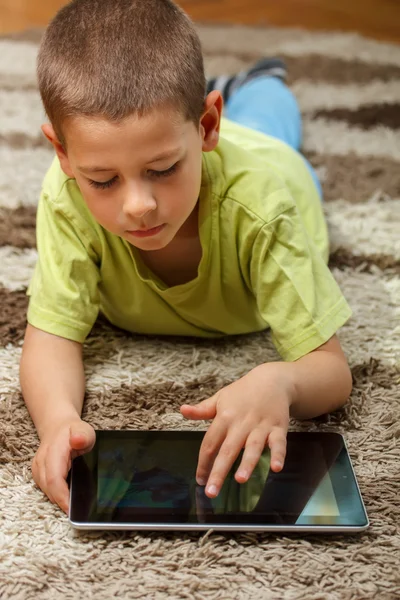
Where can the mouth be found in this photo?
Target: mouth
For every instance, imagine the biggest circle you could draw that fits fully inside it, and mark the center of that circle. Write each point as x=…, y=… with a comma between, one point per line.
x=146, y=232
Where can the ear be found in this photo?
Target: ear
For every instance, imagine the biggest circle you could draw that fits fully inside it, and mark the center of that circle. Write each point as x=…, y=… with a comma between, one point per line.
x=59, y=148
x=210, y=120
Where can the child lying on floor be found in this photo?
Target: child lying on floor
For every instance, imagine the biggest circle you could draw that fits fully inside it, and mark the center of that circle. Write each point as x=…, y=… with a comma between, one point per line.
x=171, y=219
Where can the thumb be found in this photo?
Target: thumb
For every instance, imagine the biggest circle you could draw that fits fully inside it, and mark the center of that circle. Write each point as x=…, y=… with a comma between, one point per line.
x=81, y=436
x=207, y=409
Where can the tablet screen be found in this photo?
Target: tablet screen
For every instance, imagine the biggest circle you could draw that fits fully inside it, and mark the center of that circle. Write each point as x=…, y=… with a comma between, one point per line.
x=149, y=477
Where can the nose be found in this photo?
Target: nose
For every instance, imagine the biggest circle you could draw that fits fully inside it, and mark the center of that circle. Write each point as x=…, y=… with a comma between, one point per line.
x=138, y=201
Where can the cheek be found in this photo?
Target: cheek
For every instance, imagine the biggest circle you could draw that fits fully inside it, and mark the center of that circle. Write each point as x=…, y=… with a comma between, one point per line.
x=191, y=182
x=103, y=210
x=182, y=197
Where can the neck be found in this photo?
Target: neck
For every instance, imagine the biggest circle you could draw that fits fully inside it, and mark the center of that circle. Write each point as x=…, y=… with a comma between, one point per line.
x=190, y=228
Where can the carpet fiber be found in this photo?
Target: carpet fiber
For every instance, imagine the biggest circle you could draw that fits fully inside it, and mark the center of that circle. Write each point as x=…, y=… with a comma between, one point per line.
x=349, y=91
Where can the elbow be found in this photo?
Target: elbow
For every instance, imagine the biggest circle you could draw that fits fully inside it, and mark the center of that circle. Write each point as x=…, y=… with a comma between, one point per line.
x=346, y=386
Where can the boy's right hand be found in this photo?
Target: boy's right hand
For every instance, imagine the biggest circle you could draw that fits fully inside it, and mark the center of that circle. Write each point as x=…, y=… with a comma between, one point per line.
x=52, y=462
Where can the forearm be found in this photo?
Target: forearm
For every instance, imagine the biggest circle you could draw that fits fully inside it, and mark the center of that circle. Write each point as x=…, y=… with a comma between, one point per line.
x=52, y=378
x=317, y=383
x=322, y=384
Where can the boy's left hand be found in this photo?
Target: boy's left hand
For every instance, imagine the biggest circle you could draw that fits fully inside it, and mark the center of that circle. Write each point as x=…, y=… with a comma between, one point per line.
x=250, y=413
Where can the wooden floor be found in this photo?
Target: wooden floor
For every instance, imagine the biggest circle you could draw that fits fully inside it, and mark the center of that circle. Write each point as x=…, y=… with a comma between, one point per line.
x=379, y=19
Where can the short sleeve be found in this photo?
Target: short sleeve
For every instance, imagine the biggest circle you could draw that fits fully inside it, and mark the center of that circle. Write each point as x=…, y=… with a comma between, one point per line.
x=295, y=291
x=63, y=292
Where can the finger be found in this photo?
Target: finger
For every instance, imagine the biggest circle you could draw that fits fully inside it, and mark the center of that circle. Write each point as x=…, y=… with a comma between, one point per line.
x=209, y=448
x=255, y=445
x=203, y=410
x=35, y=470
x=44, y=487
x=57, y=467
x=277, y=444
x=227, y=455
x=39, y=477
x=82, y=437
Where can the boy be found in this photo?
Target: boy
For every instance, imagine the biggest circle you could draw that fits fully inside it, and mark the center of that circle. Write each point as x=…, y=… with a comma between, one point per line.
x=148, y=216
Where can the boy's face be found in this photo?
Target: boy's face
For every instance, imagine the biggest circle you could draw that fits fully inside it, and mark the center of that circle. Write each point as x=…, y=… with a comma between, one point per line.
x=141, y=177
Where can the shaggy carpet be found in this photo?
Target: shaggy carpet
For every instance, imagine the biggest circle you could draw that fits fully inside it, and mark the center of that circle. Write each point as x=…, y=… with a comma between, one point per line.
x=349, y=91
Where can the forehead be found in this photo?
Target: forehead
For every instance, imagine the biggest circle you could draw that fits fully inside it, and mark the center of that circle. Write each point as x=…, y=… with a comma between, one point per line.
x=157, y=130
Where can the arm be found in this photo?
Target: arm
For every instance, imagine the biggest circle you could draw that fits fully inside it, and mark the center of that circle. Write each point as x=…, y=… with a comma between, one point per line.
x=51, y=367
x=53, y=385
x=254, y=411
x=318, y=383
x=321, y=381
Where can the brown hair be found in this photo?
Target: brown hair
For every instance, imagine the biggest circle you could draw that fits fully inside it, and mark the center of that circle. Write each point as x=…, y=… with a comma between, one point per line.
x=119, y=57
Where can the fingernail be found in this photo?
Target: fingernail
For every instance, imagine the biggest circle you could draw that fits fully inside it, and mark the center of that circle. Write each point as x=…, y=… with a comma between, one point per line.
x=201, y=481
x=243, y=474
x=212, y=490
x=278, y=464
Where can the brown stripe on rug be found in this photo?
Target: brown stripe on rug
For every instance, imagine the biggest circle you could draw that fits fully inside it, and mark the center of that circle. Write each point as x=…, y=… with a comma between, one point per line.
x=343, y=259
x=17, y=227
x=20, y=141
x=366, y=117
x=141, y=407
x=151, y=406
x=356, y=178
x=14, y=305
x=338, y=71
x=316, y=67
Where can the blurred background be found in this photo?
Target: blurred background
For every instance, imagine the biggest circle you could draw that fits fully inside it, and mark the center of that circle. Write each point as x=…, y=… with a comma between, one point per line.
x=379, y=19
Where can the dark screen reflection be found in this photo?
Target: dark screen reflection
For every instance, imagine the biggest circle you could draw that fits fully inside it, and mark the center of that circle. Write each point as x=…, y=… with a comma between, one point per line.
x=153, y=479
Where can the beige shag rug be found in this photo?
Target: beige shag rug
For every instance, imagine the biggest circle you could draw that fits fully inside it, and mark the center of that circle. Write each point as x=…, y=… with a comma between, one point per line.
x=349, y=91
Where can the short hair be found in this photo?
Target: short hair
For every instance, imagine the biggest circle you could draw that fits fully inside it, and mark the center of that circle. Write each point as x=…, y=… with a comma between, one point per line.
x=114, y=58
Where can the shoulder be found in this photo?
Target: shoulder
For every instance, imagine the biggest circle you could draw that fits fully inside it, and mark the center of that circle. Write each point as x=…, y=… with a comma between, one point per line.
x=60, y=190
x=276, y=153
x=240, y=181
x=274, y=157
x=63, y=201
x=263, y=178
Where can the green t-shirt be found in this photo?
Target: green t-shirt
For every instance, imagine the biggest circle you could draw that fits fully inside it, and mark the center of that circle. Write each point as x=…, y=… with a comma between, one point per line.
x=264, y=242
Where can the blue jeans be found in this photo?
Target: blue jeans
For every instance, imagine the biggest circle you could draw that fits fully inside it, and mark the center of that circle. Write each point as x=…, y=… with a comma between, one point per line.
x=266, y=104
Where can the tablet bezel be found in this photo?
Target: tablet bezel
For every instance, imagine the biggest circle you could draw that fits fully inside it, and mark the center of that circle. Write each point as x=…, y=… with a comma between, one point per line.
x=77, y=522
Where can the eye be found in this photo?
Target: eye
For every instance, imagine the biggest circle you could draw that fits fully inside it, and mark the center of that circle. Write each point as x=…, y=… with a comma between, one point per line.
x=166, y=173
x=102, y=185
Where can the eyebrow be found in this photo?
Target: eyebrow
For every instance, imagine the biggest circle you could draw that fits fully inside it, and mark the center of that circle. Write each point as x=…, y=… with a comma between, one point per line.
x=162, y=156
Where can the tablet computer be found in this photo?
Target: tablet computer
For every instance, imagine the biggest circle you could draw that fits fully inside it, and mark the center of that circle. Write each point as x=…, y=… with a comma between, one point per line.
x=146, y=480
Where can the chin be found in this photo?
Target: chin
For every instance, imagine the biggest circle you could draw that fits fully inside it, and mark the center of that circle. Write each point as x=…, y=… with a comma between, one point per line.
x=149, y=244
